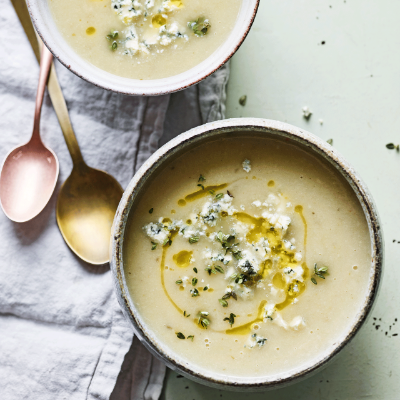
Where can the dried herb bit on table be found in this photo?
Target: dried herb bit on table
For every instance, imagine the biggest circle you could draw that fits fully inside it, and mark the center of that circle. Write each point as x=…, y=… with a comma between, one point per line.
x=319, y=272
x=200, y=26
x=392, y=146
x=330, y=141
x=203, y=319
x=231, y=319
x=243, y=100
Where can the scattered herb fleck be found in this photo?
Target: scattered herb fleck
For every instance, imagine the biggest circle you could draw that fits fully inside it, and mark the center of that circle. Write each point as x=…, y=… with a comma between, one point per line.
x=179, y=282
x=392, y=146
x=194, y=292
x=243, y=100
x=195, y=269
x=231, y=319
x=194, y=239
x=200, y=185
x=154, y=245
x=205, y=288
x=219, y=196
x=212, y=192
x=190, y=337
x=180, y=335
x=330, y=141
x=151, y=210
x=167, y=242
x=200, y=26
x=229, y=193
x=214, y=269
x=194, y=281
x=223, y=302
x=203, y=319
x=320, y=272
x=201, y=179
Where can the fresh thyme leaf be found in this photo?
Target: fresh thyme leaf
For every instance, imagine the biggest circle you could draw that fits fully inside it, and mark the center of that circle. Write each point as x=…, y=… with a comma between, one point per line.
x=184, y=313
x=190, y=337
x=237, y=254
x=200, y=185
x=194, y=281
x=219, y=196
x=231, y=319
x=219, y=269
x=201, y=179
x=167, y=242
x=180, y=335
x=223, y=302
x=229, y=193
x=151, y=210
x=195, y=269
x=212, y=192
x=313, y=281
x=226, y=296
x=330, y=141
x=200, y=26
x=392, y=146
x=154, y=245
x=243, y=100
x=179, y=282
x=194, y=239
x=205, y=288
x=203, y=319
x=320, y=272
x=112, y=35
x=234, y=295
x=194, y=292
x=114, y=46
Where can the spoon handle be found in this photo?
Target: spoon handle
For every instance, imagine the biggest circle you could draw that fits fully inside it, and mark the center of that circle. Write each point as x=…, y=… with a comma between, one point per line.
x=53, y=86
x=45, y=64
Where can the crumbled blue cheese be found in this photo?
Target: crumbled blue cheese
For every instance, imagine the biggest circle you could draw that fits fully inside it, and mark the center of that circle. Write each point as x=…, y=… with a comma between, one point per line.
x=256, y=341
x=246, y=165
x=158, y=233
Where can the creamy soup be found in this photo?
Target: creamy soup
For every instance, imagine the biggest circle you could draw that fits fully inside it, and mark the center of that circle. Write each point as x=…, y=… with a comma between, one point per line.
x=247, y=256
x=145, y=39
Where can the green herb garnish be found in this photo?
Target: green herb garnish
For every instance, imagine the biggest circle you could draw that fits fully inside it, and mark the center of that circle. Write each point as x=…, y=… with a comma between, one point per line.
x=200, y=26
x=154, y=245
x=214, y=269
x=112, y=35
x=194, y=239
x=229, y=193
x=223, y=302
x=195, y=269
x=184, y=314
x=392, y=146
x=212, y=192
x=201, y=179
x=167, y=242
x=203, y=319
x=180, y=335
x=205, y=288
x=151, y=210
x=202, y=186
x=190, y=337
x=219, y=196
x=179, y=282
x=319, y=272
x=228, y=295
x=231, y=319
x=194, y=292
x=194, y=281
x=330, y=141
x=243, y=100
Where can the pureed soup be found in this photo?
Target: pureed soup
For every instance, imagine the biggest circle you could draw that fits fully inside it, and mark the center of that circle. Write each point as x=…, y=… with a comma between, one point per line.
x=145, y=39
x=248, y=256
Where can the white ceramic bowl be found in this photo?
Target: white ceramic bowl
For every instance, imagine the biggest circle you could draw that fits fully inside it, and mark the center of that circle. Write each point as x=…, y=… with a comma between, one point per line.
x=313, y=145
x=48, y=31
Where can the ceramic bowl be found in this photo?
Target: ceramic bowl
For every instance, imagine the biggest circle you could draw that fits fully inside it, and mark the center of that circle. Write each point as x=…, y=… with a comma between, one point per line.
x=210, y=131
x=48, y=31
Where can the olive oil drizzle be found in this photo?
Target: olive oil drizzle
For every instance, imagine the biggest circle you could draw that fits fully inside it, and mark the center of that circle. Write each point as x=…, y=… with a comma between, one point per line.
x=203, y=192
x=162, y=268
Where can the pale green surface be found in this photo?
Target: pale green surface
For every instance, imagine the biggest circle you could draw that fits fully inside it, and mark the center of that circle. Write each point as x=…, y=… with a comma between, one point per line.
x=353, y=84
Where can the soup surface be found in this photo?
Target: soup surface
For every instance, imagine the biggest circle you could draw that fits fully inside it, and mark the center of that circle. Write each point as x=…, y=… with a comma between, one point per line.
x=247, y=256
x=145, y=39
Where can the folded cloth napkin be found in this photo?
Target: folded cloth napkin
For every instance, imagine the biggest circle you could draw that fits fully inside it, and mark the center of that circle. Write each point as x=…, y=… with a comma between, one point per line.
x=62, y=334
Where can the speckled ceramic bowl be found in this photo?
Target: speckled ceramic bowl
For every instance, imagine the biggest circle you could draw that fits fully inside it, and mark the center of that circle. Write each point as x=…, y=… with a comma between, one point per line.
x=199, y=135
x=48, y=31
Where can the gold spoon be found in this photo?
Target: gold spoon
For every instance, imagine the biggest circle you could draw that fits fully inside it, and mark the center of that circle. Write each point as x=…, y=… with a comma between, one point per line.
x=89, y=197
x=29, y=174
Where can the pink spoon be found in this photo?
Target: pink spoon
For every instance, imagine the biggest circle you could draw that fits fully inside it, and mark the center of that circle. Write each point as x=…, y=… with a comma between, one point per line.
x=29, y=173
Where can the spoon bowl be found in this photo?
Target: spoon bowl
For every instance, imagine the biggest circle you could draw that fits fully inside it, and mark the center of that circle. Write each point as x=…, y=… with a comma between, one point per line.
x=86, y=206
x=27, y=181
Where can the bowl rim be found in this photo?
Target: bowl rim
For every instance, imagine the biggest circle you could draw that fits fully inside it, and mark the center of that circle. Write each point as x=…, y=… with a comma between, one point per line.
x=280, y=129
x=83, y=73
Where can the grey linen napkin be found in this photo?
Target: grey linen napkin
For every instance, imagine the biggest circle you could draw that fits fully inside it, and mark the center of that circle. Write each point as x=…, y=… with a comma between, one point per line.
x=62, y=334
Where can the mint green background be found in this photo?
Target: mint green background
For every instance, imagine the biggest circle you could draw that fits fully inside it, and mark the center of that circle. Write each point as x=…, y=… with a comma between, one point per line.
x=353, y=84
